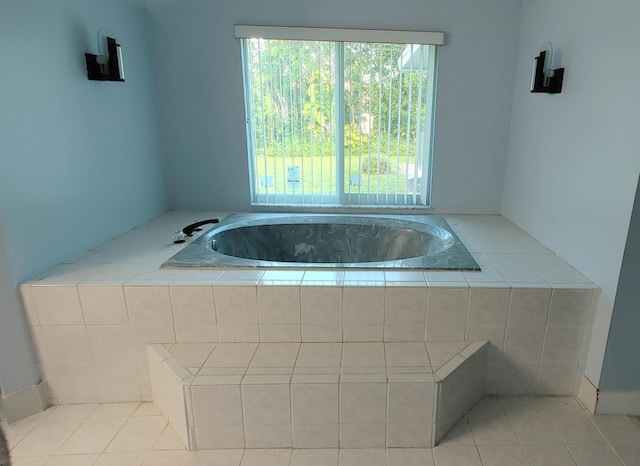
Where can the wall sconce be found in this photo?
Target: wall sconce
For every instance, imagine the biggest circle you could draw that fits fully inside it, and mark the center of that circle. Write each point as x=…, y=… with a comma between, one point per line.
x=544, y=79
x=108, y=65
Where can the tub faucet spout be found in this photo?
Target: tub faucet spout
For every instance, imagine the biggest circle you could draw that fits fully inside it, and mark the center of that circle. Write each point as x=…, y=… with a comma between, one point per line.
x=189, y=229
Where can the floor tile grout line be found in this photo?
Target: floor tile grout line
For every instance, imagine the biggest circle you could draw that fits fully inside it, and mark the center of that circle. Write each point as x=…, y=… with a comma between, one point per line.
x=131, y=416
x=555, y=429
x=117, y=433
x=478, y=453
x=515, y=432
x=607, y=441
x=77, y=430
x=591, y=419
x=40, y=421
x=12, y=447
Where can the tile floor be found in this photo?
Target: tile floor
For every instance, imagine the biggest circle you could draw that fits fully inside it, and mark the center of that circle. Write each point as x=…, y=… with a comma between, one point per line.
x=534, y=431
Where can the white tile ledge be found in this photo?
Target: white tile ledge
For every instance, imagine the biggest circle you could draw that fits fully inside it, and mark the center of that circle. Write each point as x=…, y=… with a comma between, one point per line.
x=136, y=256
x=391, y=373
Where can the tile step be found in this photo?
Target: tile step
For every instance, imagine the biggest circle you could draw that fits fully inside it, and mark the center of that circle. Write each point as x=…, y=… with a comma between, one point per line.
x=315, y=395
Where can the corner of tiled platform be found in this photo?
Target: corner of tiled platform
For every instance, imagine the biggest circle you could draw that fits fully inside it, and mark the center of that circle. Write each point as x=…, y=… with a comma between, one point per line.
x=92, y=319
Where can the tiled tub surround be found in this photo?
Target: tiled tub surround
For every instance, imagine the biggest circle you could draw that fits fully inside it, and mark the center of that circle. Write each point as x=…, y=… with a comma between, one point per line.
x=315, y=395
x=329, y=241
x=92, y=318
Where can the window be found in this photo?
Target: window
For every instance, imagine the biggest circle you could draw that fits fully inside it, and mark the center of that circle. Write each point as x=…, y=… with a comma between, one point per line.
x=346, y=122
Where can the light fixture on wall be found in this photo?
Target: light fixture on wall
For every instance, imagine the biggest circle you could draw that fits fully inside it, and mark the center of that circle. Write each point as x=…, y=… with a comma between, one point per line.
x=107, y=65
x=544, y=79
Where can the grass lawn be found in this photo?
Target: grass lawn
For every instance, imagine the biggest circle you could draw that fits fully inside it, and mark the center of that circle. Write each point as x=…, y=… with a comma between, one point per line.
x=318, y=175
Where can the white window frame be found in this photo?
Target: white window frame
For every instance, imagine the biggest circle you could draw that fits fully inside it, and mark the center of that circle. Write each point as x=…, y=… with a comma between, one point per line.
x=338, y=35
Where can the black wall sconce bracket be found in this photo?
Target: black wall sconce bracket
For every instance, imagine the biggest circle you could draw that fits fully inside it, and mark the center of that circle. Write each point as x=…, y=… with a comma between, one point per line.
x=107, y=67
x=546, y=81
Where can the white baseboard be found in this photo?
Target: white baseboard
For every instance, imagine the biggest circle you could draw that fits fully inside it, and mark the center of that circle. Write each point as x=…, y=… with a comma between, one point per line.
x=588, y=394
x=618, y=403
x=25, y=403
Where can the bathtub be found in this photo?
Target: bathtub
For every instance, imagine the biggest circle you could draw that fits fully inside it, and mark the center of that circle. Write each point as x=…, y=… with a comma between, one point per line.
x=327, y=241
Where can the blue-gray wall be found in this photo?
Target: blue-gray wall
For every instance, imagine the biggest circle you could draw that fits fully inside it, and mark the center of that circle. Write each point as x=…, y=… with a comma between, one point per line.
x=79, y=159
x=17, y=359
x=201, y=96
x=621, y=368
x=573, y=158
